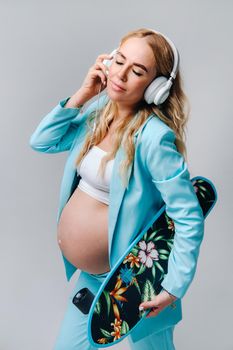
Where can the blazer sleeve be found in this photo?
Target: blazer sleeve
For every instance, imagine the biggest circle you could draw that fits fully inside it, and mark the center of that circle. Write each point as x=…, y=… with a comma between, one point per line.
x=56, y=131
x=169, y=173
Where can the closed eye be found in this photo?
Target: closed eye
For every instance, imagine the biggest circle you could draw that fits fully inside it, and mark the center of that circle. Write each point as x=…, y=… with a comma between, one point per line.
x=139, y=74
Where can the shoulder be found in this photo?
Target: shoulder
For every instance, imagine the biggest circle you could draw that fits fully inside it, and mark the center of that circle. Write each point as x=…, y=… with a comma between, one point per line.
x=155, y=131
x=158, y=151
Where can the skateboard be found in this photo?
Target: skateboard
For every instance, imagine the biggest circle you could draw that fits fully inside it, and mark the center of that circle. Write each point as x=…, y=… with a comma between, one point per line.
x=114, y=310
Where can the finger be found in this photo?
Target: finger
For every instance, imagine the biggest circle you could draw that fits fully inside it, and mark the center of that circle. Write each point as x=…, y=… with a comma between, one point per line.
x=102, y=66
x=149, y=304
x=100, y=58
x=154, y=312
x=98, y=72
x=102, y=76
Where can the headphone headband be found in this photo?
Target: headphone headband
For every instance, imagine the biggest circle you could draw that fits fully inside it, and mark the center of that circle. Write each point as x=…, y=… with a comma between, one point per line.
x=175, y=54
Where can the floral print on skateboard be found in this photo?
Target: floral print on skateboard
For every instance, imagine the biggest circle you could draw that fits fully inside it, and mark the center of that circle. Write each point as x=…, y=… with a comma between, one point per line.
x=138, y=277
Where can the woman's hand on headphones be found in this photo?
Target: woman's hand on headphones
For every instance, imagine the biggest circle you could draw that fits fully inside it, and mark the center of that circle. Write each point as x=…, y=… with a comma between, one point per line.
x=96, y=79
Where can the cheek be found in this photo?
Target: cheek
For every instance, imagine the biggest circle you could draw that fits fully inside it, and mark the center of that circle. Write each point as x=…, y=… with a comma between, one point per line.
x=112, y=72
x=138, y=87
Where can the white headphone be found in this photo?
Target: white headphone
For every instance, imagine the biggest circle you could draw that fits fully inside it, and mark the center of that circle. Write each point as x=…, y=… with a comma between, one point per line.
x=158, y=90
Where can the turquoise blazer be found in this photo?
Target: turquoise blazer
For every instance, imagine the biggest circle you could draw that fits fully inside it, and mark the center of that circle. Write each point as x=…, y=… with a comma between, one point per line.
x=158, y=175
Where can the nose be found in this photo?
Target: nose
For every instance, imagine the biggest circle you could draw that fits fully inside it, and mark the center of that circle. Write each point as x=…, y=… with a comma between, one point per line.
x=122, y=73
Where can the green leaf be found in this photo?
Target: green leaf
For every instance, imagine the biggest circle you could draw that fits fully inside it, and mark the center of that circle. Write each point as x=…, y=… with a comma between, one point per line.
x=97, y=308
x=170, y=245
x=124, y=328
x=203, y=188
x=159, y=266
x=158, y=238
x=154, y=233
x=141, y=270
x=161, y=278
x=163, y=251
x=108, y=301
x=145, y=236
x=153, y=271
x=163, y=257
x=148, y=291
x=105, y=333
x=134, y=251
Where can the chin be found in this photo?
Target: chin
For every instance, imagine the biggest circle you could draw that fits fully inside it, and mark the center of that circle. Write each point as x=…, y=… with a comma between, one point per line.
x=114, y=96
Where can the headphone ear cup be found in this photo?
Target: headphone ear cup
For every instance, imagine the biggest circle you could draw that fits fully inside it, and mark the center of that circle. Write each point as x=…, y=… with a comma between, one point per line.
x=155, y=92
x=163, y=93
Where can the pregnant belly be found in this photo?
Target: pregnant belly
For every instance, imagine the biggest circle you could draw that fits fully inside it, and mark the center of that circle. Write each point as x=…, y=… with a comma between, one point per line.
x=83, y=233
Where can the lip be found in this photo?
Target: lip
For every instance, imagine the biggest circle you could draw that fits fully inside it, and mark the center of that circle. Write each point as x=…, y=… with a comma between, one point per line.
x=117, y=87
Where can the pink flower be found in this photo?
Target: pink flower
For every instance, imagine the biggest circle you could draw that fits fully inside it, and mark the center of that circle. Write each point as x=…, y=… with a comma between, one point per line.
x=148, y=253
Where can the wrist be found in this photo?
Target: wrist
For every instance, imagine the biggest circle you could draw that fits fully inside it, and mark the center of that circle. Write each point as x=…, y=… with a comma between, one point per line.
x=171, y=296
x=74, y=102
x=81, y=97
x=79, y=105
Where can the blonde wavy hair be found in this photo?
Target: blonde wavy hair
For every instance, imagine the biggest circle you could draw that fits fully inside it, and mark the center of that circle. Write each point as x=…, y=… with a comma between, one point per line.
x=174, y=111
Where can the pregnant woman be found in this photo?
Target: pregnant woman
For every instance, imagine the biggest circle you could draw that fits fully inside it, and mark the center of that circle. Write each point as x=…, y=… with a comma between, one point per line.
x=125, y=160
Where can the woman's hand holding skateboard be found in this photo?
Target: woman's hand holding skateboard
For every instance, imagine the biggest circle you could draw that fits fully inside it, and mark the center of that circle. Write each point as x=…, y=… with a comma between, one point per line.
x=158, y=303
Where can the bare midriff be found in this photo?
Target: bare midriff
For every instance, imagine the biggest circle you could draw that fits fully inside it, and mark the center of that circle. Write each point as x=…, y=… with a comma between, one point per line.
x=83, y=231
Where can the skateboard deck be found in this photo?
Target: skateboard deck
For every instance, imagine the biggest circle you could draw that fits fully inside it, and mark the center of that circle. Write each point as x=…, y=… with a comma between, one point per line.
x=114, y=311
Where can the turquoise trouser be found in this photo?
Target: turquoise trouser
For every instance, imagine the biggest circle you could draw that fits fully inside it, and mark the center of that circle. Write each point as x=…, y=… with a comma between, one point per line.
x=73, y=330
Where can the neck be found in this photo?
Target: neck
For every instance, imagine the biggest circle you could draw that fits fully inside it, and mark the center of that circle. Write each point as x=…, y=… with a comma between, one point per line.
x=124, y=111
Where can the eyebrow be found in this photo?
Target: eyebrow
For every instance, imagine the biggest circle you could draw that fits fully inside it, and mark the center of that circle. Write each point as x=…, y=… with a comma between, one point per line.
x=136, y=64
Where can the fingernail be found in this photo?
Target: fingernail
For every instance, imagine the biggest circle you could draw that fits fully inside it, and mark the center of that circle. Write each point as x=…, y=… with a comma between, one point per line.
x=141, y=308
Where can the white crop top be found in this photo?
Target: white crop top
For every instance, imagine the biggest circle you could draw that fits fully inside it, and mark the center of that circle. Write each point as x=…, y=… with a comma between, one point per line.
x=91, y=182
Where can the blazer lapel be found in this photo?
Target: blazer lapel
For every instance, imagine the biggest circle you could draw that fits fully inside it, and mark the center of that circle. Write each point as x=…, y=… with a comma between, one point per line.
x=117, y=190
x=116, y=194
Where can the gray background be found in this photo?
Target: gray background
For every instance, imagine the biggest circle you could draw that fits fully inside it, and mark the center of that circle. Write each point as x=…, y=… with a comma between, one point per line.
x=46, y=49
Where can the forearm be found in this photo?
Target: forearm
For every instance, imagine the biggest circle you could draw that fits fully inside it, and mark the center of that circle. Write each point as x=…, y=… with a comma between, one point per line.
x=55, y=131
x=77, y=100
x=171, y=177
x=183, y=208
